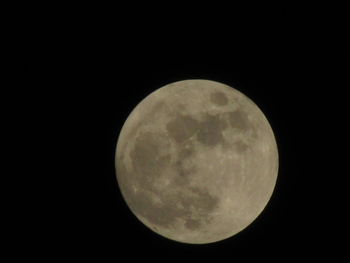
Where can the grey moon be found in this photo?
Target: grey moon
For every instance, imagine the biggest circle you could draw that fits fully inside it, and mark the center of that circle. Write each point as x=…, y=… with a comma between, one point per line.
x=196, y=161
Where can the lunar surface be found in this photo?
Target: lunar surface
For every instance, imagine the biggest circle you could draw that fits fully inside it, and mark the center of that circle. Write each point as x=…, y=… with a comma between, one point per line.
x=196, y=161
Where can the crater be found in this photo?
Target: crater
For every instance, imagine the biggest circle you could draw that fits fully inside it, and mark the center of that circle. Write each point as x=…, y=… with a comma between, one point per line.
x=210, y=130
x=182, y=127
x=218, y=98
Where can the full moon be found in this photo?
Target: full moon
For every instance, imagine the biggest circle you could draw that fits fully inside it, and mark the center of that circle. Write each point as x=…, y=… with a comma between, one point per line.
x=196, y=161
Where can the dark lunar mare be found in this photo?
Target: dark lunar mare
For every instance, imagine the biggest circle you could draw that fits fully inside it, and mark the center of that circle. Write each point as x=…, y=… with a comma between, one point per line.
x=148, y=167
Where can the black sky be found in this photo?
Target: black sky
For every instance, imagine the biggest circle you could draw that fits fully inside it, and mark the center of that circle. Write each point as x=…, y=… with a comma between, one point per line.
x=87, y=69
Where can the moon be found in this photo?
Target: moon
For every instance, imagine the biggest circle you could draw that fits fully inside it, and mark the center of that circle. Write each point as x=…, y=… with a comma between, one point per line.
x=196, y=161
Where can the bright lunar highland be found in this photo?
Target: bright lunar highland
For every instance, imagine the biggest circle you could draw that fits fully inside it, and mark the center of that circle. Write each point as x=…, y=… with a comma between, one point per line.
x=196, y=161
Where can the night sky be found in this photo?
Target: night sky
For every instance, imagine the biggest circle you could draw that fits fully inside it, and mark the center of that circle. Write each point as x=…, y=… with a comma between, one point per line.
x=87, y=69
